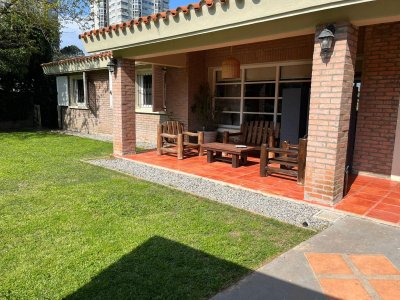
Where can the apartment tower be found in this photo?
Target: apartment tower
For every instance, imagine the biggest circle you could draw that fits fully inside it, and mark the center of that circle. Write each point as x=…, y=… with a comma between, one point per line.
x=107, y=12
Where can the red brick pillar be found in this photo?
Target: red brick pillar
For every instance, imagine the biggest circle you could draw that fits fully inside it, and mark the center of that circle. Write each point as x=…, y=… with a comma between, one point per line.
x=330, y=105
x=123, y=88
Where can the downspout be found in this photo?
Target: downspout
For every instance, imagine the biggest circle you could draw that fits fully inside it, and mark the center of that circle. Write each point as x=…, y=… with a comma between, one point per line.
x=164, y=104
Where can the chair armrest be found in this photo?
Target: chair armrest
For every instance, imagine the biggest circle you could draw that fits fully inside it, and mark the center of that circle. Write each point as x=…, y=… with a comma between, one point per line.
x=199, y=135
x=282, y=151
x=188, y=133
x=169, y=136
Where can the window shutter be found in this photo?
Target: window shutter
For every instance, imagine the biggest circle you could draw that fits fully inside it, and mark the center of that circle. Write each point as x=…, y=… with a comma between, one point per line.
x=158, y=89
x=62, y=90
x=85, y=88
x=110, y=83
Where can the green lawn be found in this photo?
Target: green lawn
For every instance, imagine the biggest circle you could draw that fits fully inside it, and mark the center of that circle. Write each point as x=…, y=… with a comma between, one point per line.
x=72, y=230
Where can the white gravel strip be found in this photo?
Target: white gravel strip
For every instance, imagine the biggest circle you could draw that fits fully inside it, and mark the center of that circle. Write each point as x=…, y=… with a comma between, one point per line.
x=289, y=211
x=93, y=136
x=102, y=137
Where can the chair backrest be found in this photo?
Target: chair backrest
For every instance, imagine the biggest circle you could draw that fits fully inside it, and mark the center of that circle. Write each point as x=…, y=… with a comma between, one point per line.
x=257, y=132
x=172, y=127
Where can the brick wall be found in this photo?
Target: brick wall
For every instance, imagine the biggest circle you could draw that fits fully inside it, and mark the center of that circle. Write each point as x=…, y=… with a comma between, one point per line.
x=98, y=118
x=183, y=84
x=158, y=88
x=146, y=129
x=176, y=102
x=379, y=100
x=177, y=95
x=329, y=116
x=295, y=48
x=124, y=123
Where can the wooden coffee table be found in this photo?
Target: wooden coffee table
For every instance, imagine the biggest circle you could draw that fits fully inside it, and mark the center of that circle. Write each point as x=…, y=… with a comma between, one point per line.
x=239, y=155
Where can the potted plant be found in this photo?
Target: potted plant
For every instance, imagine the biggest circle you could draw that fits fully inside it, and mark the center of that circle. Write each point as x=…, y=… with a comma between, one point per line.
x=207, y=115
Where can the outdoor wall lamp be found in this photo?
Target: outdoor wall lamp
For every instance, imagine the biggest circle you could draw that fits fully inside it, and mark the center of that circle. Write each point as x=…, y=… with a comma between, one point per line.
x=326, y=38
x=111, y=65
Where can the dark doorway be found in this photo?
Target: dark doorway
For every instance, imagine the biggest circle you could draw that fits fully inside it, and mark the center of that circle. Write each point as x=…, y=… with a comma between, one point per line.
x=351, y=136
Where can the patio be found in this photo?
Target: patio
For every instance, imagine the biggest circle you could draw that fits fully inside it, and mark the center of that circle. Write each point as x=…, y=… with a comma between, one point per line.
x=368, y=197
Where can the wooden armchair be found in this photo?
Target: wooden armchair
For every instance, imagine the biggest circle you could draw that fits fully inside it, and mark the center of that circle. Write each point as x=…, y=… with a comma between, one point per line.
x=290, y=158
x=171, y=138
x=255, y=133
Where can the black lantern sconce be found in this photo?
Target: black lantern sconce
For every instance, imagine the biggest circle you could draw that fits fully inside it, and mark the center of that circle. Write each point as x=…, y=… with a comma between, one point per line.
x=326, y=39
x=111, y=65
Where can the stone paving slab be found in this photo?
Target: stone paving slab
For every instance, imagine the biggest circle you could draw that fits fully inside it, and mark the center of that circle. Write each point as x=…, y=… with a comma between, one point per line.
x=352, y=259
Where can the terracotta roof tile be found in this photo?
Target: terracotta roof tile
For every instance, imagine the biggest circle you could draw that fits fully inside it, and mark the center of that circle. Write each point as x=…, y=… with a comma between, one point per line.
x=101, y=55
x=153, y=17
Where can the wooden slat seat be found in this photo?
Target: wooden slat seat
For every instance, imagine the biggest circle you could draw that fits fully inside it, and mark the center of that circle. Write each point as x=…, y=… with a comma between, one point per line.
x=290, y=158
x=255, y=133
x=172, y=138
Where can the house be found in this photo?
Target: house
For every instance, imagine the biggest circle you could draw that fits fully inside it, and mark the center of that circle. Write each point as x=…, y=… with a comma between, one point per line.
x=346, y=89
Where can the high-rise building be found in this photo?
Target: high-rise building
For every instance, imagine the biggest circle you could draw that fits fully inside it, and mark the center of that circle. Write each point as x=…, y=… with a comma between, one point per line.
x=107, y=12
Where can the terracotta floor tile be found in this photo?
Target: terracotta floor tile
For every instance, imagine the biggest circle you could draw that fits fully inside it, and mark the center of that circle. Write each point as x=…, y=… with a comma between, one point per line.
x=394, y=209
x=344, y=289
x=387, y=289
x=327, y=263
x=394, y=195
x=374, y=265
x=355, y=209
x=355, y=200
x=378, y=192
x=362, y=188
x=366, y=196
x=383, y=215
x=386, y=184
x=391, y=201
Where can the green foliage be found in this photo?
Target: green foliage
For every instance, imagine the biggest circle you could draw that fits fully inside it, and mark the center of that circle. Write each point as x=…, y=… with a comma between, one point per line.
x=73, y=230
x=29, y=36
x=27, y=28
x=71, y=51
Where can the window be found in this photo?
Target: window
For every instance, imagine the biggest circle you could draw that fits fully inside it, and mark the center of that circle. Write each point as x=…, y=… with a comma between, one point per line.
x=257, y=95
x=78, y=97
x=144, y=87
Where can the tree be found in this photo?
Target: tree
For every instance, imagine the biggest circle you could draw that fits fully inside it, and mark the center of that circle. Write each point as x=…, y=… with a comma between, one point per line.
x=26, y=24
x=30, y=36
x=69, y=51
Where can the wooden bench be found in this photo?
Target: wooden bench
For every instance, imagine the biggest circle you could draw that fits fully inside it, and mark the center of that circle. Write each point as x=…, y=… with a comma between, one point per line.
x=290, y=158
x=172, y=138
x=255, y=133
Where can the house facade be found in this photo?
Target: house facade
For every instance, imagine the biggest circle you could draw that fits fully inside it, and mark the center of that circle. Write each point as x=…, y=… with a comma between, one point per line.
x=345, y=98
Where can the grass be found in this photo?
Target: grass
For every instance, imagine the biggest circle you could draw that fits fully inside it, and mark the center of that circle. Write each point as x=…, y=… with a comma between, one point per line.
x=72, y=230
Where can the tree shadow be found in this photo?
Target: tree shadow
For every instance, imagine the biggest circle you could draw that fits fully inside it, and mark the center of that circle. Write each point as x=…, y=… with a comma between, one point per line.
x=24, y=134
x=164, y=269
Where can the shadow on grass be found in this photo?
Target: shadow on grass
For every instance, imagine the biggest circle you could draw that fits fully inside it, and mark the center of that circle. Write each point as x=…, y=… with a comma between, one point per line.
x=29, y=134
x=165, y=269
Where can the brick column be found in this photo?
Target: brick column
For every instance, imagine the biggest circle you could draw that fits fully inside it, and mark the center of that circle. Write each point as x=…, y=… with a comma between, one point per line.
x=329, y=116
x=123, y=87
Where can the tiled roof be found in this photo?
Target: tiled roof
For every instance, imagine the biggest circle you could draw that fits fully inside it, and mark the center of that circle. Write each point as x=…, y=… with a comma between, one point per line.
x=154, y=17
x=101, y=55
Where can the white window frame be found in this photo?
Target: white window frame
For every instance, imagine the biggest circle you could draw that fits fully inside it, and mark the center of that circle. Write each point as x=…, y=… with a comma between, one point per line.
x=242, y=83
x=73, y=101
x=140, y=107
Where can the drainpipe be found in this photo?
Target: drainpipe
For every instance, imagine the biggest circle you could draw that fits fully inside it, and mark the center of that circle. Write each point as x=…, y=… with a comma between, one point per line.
x=164, y=105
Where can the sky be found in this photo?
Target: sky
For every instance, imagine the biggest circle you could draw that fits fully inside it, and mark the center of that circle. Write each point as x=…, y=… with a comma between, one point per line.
x=70, y=31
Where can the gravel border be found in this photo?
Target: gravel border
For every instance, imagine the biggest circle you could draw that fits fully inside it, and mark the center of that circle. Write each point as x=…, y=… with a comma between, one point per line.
x=288, y=211
x=102, y=137
x=93, y=136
